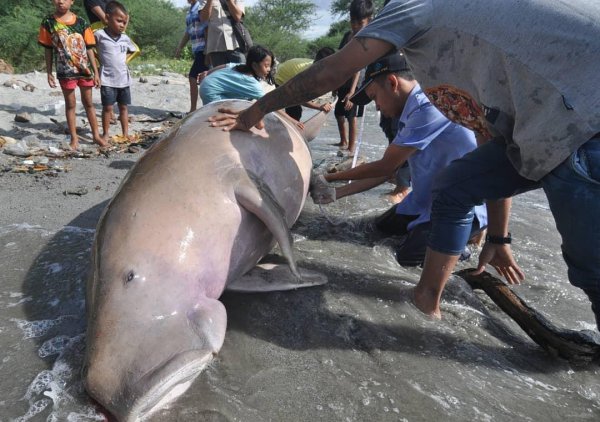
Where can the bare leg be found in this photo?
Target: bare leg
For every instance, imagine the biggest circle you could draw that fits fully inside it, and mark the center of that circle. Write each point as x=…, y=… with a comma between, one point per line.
x=341, y=122
x=436, y=270
x=193, y=94
x=70, y=105
x=352, y=135
x=90, y=111
x=107, y=112
x=124, y=118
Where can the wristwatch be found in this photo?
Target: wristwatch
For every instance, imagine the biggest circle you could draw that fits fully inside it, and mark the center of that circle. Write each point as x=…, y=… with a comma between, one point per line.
x=498, y=240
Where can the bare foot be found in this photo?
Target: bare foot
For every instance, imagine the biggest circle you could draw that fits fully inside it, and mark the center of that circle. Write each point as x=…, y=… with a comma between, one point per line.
x=426, y=301
x=398, y=195
x=74, y=144
x=396, y=198
x=101, y=141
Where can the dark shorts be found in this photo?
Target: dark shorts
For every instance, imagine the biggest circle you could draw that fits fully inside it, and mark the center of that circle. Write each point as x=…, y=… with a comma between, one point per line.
x=217, y=58
x=295, y=112
x=355, y=111
x=110, y=95
x=392, y=223
x=411, y=252
x=339, y=111
x=198, y=66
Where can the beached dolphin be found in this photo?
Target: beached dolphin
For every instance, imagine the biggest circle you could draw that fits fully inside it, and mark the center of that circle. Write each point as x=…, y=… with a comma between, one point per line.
x=192, y=218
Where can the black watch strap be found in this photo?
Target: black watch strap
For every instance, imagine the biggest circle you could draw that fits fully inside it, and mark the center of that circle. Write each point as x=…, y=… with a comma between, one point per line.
x=499, y=240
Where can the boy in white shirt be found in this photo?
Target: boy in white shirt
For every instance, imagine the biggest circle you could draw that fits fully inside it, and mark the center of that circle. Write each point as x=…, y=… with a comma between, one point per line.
x=114, y=47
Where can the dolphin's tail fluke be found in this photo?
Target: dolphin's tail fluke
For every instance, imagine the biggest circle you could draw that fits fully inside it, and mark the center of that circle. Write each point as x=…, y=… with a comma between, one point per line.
x=313, y=126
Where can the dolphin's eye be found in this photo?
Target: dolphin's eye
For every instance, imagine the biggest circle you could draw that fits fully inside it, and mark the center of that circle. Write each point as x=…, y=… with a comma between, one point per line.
x=130, y=276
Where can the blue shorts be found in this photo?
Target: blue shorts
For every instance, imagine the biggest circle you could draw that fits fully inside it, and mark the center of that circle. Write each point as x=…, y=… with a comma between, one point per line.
x=572, y=189
x=110, y=95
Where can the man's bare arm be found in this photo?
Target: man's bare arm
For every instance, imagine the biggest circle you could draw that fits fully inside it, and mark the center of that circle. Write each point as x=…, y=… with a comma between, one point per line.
x=323, y=76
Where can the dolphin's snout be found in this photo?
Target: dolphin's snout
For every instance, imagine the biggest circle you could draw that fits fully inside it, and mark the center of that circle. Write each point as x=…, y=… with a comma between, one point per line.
x=129, y=401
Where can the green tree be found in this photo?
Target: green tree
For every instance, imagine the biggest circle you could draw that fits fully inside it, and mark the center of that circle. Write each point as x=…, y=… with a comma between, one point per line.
x=278, y=25
x=156, y=26
x=338, y=29
x=341, y=7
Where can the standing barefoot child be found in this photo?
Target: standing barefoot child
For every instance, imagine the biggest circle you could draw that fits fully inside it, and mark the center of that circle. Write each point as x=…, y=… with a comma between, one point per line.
x=68, y=38
x=113, y=48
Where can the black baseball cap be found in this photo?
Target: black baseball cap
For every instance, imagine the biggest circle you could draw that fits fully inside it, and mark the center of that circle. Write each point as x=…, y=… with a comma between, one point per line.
x=394, y=62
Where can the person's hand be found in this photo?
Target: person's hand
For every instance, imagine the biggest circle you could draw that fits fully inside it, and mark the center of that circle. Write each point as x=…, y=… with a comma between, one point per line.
x=300, y=125
x=348, y=105
x=229, y=119
x=201, y=77
x=97, y=82
x=326, y=107
x=51, y=80
x=321, y=191
x=500, y=257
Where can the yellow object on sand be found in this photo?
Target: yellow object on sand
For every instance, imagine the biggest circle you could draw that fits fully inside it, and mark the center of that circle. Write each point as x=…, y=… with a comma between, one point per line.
x=120, y=139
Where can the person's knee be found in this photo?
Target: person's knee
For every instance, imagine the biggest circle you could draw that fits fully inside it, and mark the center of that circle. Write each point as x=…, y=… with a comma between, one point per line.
x=411, y=252
x=70, y=100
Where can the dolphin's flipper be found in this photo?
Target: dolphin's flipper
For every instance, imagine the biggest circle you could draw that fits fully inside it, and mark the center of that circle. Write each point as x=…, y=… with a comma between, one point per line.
x=257, y=199
x=209, y=321
x=273, y=276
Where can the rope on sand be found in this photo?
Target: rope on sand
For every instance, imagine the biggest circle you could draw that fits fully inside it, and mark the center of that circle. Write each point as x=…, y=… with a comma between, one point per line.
x=341, y=220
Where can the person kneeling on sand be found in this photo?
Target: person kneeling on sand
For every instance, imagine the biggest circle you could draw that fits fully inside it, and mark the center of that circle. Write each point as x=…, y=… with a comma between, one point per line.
x=425, y=138
x=114, y=46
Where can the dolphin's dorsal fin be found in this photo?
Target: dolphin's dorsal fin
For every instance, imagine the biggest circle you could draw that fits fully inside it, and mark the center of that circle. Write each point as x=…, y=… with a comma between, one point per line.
x=313, y=126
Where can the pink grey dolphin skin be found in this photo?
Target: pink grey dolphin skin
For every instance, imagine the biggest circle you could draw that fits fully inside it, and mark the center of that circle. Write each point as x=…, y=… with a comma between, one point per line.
x=192, y=218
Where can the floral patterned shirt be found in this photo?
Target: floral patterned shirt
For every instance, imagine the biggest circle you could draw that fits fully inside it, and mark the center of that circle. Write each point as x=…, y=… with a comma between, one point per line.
x=70, y=41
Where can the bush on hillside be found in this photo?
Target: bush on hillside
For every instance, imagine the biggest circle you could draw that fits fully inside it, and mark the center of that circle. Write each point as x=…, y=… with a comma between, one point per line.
x=156, y=26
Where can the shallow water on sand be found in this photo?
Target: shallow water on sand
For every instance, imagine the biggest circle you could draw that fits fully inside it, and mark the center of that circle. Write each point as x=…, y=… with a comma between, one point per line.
x=353, y=350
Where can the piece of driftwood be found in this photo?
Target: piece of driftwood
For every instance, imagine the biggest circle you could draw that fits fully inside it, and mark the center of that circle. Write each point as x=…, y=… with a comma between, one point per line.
x=580, y=346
